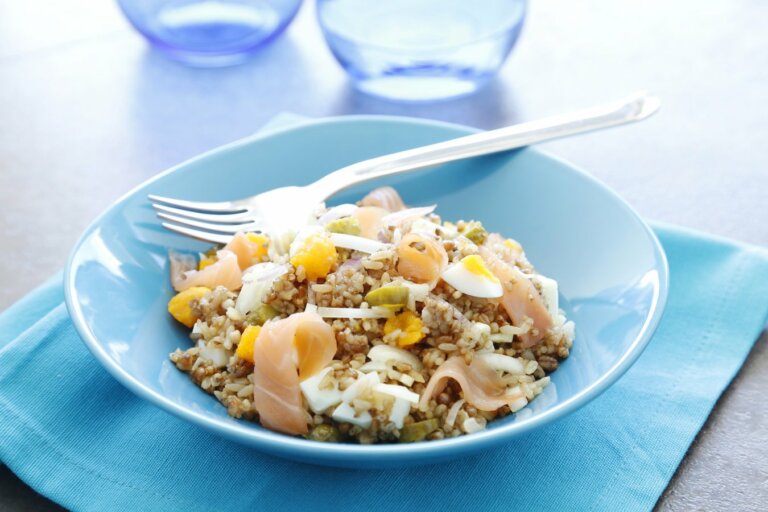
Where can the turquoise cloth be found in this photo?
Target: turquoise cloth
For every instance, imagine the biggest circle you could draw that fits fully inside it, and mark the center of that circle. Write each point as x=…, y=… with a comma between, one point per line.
x=74, y=434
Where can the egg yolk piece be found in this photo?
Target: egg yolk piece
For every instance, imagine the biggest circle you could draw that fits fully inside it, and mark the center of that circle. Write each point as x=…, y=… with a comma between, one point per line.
x=472, y=277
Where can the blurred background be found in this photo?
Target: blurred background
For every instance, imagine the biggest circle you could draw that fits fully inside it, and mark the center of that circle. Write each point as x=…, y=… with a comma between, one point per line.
x=88, y=110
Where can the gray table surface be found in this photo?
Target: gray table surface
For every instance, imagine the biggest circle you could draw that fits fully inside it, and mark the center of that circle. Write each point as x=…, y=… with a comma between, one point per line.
x=87, y=111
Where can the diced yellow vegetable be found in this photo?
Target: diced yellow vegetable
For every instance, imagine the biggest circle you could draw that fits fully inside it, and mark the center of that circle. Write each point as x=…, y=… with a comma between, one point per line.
x=409, y=325
x=247, y=340
x=262, y=244
x=317, y=256
x=205, y=262
x=180, y=305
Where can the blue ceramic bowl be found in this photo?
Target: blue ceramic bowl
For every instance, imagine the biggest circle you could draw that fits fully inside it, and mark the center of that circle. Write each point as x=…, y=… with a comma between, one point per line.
x=610, y=266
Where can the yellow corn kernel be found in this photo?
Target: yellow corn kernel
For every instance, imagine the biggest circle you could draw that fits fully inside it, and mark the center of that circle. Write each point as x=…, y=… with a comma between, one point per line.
x=247, y=340
x=317, y=255
x=262, y=244
x=409, y=325
x=180, y=306
x=205, y=262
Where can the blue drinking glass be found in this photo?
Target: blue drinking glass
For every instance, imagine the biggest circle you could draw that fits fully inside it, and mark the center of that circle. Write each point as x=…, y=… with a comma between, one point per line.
x=421, y=50
x=209, y=32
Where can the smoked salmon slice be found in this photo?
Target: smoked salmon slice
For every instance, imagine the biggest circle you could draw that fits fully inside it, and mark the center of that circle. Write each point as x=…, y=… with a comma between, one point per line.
x=420, y=258
x=521, y=300
x=224, y=272
x=481, y=385
x=285, y=353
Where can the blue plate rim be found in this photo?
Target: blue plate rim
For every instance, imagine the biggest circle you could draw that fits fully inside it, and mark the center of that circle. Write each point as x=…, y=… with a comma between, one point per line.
x=288, y=446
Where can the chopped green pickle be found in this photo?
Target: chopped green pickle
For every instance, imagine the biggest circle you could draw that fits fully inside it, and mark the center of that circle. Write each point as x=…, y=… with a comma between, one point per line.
x=325, y=433
x=344, y=226
x=475, y=232
x=392, y=297
x=261, y=314
x=417, y=431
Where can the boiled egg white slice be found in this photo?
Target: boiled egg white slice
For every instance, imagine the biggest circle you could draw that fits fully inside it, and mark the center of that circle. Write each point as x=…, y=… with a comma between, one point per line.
x=346, y=413
x=471, y=276
x=320, y=399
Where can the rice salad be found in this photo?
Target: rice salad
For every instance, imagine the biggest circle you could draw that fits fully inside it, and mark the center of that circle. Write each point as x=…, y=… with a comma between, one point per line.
x=371, y=323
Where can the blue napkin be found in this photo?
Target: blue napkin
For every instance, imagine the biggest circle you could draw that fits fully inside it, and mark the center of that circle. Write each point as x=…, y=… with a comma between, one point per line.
x=74, y=434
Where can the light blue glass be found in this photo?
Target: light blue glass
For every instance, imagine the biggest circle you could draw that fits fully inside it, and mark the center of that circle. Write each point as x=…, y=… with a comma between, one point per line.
x=611, y=270
x=209, y=32
x=421, y=50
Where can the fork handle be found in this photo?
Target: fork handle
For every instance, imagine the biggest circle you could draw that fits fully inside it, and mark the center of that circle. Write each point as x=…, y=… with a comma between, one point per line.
x=634, y=108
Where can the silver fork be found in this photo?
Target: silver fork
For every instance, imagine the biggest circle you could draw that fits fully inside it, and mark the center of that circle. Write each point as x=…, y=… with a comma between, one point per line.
x=218, y=221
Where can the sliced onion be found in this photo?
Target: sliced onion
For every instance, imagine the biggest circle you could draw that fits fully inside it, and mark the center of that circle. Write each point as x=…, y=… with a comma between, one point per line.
x=356, y=243
x=267, y=271
x=503, y=363
x=310, y=308
x=393, y=219
x=257, y=282
x=337, y=212
x=425, y=227
x=416, y=292
x=280, y=241
x=180, y=263
x=217, y=355
x=450, y=418
x=384, y=353
x=353, y=263
x=375, y=312
x=373, y=366
x=471, y=426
